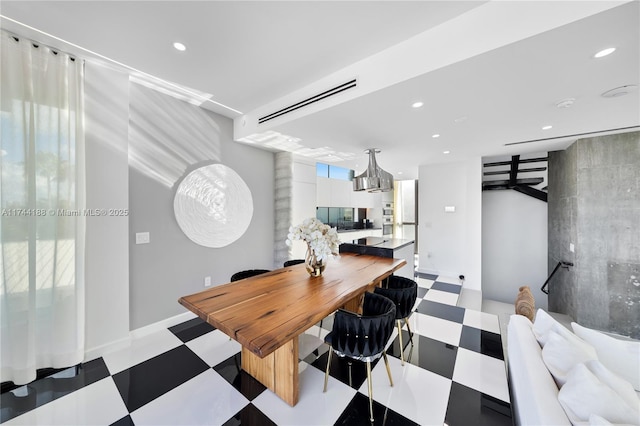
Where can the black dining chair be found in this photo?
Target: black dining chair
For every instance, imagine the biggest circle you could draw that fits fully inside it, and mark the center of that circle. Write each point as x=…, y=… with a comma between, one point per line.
x=363, y=337
x=247, y=274
x=293, y=262
x=403, y=292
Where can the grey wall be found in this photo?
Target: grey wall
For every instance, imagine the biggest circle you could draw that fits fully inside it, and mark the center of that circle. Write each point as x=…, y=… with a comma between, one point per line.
x=514, y=245
x=169, y=138
x=594, y=203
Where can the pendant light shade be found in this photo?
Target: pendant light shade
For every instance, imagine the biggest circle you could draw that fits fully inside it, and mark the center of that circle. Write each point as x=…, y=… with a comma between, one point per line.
x=374, y=179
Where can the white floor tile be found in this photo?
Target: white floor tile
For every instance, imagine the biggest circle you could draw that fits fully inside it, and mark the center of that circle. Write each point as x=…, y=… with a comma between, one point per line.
x=314, y=407
x=449, y=279
x=141, y=349
x=98, y=403
x=311, y=340
x=481, y=320
x=435, y=328
x=482, y=373
x=214, y=347
x=206, y=399
x=442, y=297
x=424, y=283
x=417, y=394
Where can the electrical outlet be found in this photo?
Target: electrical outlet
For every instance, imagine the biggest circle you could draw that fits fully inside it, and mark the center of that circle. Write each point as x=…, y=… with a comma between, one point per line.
x=207, y=281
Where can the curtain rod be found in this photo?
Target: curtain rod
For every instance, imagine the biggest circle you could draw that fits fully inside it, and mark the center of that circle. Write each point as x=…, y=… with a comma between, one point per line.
x=37, y=44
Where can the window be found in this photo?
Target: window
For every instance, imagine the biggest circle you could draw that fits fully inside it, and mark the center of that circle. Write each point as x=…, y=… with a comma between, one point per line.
x=333, y=172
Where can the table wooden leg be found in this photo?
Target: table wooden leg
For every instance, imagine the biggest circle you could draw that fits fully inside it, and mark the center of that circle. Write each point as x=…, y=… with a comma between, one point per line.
x=277, y=371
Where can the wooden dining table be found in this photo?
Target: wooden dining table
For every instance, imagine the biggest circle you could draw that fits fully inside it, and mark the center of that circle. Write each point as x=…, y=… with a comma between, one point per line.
x=266, y=313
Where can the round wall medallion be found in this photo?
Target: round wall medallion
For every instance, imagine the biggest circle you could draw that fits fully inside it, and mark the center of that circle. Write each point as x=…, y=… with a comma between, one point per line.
x=213, y=206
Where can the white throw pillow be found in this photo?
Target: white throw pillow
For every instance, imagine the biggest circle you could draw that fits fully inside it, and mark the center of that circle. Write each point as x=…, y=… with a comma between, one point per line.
x=595, y=420
x=542, y=324
x=583, y=395
x=620, y=356
x=560, y=354
x=615, y=382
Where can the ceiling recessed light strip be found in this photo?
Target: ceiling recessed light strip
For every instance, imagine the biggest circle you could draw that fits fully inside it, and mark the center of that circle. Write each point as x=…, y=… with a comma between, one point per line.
x=547, y=127
x=179, y=46
x=436, y=135
x=417, y=104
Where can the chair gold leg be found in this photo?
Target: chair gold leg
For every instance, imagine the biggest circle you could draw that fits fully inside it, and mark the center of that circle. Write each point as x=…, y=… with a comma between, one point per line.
x=386, y=363
x=401, y=345
x=370, y=390
x=326, y=374
x=406, y=321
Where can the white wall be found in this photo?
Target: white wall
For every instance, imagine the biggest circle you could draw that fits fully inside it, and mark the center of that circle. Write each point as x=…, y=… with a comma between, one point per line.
x=107, y=238
x=304, y=199
x=514, y=245
x=451, y=243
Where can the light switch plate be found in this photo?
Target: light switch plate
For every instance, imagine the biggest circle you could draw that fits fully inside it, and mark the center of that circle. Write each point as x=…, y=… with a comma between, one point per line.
x=142, y=238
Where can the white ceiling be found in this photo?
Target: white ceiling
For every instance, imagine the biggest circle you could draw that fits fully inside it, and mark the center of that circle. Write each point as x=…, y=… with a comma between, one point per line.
x=246, y=55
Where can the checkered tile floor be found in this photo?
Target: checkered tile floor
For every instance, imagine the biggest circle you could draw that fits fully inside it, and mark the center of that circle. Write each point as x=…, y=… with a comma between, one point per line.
x=190, y=374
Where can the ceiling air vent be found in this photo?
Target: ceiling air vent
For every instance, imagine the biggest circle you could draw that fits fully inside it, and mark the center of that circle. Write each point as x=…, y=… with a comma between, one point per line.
x=327, y=93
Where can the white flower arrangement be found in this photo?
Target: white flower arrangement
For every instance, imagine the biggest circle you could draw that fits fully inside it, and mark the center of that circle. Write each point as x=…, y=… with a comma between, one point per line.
x=321, y=239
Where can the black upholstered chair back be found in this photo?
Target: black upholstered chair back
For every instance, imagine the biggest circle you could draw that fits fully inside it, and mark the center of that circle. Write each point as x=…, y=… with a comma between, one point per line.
x=293, y=262
x=364, y=336
x=248, y=273
x=403, y=292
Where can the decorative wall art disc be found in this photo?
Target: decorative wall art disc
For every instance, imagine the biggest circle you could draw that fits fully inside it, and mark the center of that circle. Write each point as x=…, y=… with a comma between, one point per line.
x=213, y=206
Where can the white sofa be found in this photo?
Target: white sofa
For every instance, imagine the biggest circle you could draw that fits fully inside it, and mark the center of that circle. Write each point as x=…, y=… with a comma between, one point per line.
x=534, y=394
x=534, y=390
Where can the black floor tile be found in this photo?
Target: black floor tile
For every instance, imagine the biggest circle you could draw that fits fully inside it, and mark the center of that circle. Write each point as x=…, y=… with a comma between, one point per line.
x=470, y=407
x=485, y=342
x=450, y=288
x=440, y=310
x=150, y=379
x=230, y=370
x=191, y=329
x=357, y=413
x=37, y=393
x=125, y=421
x=250, y=416
x=350, y=372
x=433, y=355
x=426, y=276
x=422, y=292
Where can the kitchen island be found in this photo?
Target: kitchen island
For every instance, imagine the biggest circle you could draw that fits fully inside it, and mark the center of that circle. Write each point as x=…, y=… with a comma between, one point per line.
x=385, y=247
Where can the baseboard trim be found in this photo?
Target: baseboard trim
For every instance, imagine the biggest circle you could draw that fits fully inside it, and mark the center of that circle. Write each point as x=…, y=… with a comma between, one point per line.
x=97, y=352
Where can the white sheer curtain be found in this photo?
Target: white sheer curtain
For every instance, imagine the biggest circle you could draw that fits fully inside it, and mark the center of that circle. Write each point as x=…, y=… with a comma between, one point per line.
x=42, y=200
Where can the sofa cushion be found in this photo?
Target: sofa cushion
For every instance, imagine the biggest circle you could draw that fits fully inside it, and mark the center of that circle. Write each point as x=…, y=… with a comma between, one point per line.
x=584, y=394
x=620, y=356
x=545, y=323
x=562, y=352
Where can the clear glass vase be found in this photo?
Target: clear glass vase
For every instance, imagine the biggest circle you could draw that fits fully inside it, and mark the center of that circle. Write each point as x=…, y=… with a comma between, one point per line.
x=314, y=266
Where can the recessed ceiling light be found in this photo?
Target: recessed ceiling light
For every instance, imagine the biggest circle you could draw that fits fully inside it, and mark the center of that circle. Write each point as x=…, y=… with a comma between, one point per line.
x=620, y=91
x=417, y=104
x=179, y=46
x=605, y=52
x=460, y=119
x=546, y=127
x=435, y=135
x=399, y=173
x=446, y=152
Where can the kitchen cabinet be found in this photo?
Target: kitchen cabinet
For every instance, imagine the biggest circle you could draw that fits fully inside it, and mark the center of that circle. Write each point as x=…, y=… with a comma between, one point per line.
x=323, y=192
